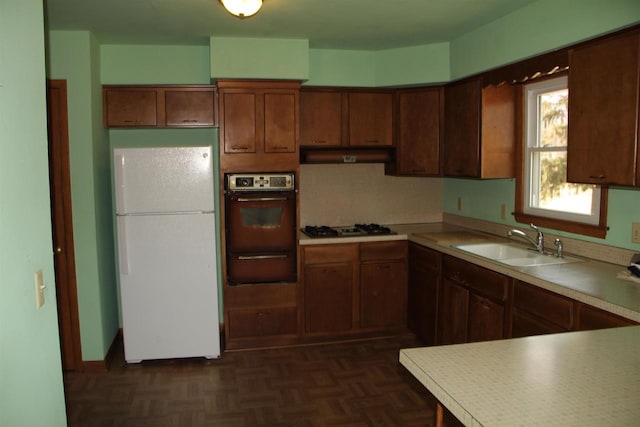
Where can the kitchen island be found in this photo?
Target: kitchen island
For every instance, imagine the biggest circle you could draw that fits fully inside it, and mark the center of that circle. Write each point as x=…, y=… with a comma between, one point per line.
x=589, y=378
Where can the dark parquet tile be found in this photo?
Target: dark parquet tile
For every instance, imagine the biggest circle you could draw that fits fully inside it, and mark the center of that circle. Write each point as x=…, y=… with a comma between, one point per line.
x=347, y=385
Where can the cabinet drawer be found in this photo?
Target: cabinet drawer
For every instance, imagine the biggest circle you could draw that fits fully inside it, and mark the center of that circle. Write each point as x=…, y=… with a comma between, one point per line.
x=330, y=253
x=545, y=304
x=263, y=322
x=485, y=281
x=428, y=258
x=383, y=251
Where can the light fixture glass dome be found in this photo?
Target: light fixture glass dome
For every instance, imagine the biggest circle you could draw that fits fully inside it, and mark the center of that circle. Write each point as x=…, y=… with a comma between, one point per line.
x=242, y=8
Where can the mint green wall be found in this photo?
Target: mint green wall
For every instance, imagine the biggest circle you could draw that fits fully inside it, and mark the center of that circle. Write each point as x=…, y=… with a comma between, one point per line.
x=119, y=138
x=516, y=36
x=332, y=67
x=31, y=387
x=390, y=67
x=74, y=56
x=412, y=65
x=154, y=64
x=539, y=27
x=259, y=58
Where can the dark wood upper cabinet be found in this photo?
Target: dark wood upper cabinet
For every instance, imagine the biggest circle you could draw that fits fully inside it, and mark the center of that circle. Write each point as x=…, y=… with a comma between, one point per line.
x=159, y=106
x=603, y=112
x=419, y=119
x=130, y=107
x=371, y=119
x=479, y=130
x=190, y=107
x=258, y=125
x=321, y=118
x=334, y=117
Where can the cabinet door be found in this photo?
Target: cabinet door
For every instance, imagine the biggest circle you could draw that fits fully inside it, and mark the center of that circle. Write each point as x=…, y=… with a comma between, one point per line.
x=382, y=294
x=418, y=147
x=328, y=297
x=594, y=318
x=190, y=107
x=238, y=121
x=603, y=112
x=371, y=119
x=320, y=118
x=130, y=107
x=422, y=292
x=462, y=129
x=486, y=319
x=280, y=122
x=539, y=311
x=453, y=313
x=524, y=324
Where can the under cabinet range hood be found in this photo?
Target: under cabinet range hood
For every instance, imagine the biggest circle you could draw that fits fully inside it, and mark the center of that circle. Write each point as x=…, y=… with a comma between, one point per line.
x=314, y=155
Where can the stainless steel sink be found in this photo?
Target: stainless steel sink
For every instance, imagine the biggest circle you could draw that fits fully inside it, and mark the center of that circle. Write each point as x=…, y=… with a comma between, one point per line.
x=514, y=254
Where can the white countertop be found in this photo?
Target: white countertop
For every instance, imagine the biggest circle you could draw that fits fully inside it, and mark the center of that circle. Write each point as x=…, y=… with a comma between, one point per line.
x=582, y=379
x=591, y=282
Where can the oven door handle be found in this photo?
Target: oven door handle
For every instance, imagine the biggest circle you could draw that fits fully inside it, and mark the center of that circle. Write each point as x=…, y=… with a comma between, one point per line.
x=252, y=257
x=262, y=199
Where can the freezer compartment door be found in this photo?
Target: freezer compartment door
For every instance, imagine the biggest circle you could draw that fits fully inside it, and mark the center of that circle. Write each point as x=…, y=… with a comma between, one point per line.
x=169, y=291
x=172, y=179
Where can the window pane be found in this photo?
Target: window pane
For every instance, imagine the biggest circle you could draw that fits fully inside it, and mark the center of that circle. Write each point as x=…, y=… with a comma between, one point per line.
x=553, y=118
x=550, y=190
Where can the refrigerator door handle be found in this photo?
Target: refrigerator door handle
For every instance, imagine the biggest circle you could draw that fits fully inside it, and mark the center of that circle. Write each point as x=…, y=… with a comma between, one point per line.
x=119, y=178
x=123, y=256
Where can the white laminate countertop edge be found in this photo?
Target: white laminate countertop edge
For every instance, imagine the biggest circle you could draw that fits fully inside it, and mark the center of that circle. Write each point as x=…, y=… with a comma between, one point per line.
x=588, y=378
x=591, y=282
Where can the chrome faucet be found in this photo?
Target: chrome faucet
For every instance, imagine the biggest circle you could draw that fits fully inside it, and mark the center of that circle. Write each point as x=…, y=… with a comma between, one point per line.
x=559, y=248
x=538, y=243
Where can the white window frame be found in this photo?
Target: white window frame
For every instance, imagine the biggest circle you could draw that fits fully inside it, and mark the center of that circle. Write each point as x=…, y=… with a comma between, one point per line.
x=532, y=132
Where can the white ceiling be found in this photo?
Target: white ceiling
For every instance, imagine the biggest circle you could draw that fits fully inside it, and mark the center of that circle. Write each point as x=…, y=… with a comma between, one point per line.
x=329, y=24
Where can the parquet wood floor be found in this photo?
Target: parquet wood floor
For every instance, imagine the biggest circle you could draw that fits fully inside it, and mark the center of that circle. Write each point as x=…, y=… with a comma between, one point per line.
x=347, y=384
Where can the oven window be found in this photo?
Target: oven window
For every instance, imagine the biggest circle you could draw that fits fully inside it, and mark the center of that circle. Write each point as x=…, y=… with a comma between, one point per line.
x=261, y=217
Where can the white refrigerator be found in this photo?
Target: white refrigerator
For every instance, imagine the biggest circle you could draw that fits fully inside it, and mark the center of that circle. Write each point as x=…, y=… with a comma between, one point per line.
x=166, y=243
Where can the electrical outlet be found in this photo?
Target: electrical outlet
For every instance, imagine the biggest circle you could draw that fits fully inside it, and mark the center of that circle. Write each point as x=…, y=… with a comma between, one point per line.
x=39, y=289
x=635, y=232
x=503, y=211
x=459, y=203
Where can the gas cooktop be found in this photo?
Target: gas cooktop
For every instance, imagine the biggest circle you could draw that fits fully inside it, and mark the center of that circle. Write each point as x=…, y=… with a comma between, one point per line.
x=349, y=231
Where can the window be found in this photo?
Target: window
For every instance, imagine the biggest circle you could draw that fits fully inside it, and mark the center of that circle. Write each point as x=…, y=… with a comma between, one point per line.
x=544, y=191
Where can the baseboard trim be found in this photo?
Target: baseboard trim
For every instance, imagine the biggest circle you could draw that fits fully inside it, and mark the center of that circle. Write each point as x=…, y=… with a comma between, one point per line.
x=104, y=365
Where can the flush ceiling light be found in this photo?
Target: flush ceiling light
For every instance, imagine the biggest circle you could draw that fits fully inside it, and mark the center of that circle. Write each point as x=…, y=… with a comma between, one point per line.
x=242, y=8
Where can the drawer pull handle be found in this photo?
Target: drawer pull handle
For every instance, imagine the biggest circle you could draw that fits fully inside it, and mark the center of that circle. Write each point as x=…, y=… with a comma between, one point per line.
x=601, y=176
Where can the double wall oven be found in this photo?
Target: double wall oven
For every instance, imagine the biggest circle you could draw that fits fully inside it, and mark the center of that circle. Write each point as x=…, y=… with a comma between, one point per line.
x=260, y=212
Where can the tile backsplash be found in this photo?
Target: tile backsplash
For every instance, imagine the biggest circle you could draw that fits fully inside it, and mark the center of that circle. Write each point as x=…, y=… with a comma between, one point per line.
x=345, y=194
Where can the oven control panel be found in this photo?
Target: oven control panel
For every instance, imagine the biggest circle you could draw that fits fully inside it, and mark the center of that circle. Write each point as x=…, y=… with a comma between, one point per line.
x=260, y=182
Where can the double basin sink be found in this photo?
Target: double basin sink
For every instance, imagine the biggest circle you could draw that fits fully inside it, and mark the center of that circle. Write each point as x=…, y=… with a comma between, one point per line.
x=514, y=254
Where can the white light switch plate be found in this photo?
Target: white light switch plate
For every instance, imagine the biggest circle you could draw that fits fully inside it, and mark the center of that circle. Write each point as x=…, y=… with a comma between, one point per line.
x=39, y=289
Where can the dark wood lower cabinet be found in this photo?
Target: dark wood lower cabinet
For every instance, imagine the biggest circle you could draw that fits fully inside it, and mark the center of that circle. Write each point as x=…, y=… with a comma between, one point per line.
x=454, y=313
x=354, y=289
x=328, y=298
x=262, y=322
x=487, y=319
x=594, y=318
x=423, y=292
x=382, y=300
x=474, y=304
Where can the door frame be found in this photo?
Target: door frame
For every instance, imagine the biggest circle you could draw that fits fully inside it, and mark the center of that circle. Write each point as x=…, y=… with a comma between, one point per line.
x=62, y=226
